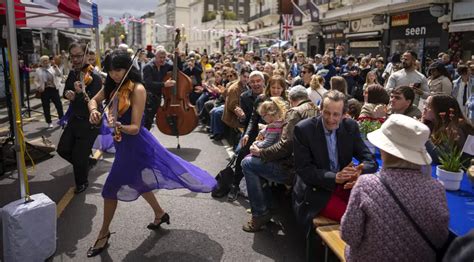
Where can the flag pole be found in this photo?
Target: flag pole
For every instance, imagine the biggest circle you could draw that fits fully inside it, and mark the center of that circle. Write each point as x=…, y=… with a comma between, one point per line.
x=14, y=80
x=279, y=40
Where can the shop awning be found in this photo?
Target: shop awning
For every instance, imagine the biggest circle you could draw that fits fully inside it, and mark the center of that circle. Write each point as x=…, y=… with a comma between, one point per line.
x=278, y=44
x=75, y=36
x=463, y=26
x=372, y=34
x=54, y=14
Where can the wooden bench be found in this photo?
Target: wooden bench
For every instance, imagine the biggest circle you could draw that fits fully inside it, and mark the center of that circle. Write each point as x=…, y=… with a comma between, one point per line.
x=331, y=236
x=321, y=221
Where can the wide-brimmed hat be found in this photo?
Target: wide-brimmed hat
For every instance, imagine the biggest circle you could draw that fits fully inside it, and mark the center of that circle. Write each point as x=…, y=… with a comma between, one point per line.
x=403, y=137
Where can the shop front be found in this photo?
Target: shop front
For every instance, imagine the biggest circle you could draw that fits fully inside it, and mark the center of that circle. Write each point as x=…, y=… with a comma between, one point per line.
x=417, y=31
x=333, y=35
x=461, y=29
x=365, y=37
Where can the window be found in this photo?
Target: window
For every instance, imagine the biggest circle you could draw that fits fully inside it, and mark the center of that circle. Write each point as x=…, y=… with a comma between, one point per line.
x=241, y=10
x=242, y=1
x=231, y=8
x=210, y=7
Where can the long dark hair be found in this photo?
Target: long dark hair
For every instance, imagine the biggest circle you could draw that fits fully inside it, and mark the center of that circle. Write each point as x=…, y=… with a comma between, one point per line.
x=120, y=60
x=448, y=116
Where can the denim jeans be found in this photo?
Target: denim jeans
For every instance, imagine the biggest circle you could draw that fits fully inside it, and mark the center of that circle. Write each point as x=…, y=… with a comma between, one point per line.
x=217, y=126
x=201, y=100
x=254, y=169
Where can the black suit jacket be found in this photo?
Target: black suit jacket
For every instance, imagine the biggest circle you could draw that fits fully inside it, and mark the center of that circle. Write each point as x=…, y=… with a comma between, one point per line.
x=314, y=181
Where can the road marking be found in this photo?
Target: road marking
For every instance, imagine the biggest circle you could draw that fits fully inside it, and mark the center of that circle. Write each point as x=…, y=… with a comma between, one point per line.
x=64, y=202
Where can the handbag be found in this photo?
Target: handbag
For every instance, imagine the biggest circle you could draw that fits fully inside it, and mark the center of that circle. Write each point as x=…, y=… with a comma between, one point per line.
x=224, y=179
x=439, y=251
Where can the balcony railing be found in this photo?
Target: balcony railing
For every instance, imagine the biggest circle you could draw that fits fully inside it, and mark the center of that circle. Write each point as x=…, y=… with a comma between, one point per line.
x=262, y=14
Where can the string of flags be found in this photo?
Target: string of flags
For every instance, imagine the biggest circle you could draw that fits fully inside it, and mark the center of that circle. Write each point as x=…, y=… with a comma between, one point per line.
x=125, y=20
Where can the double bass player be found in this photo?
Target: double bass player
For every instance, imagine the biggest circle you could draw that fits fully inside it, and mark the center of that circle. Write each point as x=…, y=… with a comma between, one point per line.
x=154, y=73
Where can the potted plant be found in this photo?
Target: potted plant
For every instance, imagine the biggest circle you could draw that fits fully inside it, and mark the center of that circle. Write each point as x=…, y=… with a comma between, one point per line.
x=367, y=125
x=450, y=170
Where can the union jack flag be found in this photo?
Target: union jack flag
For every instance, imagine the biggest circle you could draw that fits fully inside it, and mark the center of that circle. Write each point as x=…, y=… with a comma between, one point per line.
x=286, y=26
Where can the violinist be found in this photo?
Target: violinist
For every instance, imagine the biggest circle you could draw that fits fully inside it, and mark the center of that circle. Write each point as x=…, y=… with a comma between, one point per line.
x=154, y=73
x=76, y=141
x=141, y=164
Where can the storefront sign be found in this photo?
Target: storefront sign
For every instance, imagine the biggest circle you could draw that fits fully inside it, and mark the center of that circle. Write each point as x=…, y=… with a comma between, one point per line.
x=414, y=31
x=364, y=25
x=463, y=10
x=400, y=20
x=331, y=28
x=365, y=44
x=421, y=25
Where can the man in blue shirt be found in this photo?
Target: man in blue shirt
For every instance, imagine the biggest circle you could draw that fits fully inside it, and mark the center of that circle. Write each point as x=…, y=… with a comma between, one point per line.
x=324, y=147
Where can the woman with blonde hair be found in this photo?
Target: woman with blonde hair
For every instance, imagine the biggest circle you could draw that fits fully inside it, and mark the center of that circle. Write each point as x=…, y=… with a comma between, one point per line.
x=316, y=89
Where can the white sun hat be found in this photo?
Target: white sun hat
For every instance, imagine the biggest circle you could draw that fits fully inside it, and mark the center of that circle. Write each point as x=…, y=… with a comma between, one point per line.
x=403, y=137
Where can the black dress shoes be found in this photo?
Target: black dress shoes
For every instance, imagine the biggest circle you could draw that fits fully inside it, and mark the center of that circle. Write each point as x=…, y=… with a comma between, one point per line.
x=217, y=137
x=164, y=219
x=81, y=188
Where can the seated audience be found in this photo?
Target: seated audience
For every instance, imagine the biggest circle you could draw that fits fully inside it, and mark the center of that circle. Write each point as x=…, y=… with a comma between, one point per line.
x=375, y=95
x=441, y=113
x=316, y=89
x=374, y=226
x=274, y=163
x=324, y=147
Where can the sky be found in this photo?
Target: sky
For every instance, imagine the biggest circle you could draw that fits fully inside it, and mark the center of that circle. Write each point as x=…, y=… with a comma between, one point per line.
x=116, y=8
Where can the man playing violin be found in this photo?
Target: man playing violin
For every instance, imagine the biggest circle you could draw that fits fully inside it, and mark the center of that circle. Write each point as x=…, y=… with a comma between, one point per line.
x=76, y=141
x=154, y=73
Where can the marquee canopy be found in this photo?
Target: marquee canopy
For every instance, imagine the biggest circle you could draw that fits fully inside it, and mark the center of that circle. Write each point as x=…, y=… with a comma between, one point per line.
x=54, y=13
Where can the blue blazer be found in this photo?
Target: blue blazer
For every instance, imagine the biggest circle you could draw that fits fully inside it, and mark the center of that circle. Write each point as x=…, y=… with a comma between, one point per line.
x=314, y=181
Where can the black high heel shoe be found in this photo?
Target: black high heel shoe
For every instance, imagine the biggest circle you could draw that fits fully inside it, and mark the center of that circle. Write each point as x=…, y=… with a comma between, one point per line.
x=164, y=219
x=94, y=251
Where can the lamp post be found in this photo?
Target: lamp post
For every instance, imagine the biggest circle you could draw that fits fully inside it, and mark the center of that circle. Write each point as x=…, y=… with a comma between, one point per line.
x=223, y=25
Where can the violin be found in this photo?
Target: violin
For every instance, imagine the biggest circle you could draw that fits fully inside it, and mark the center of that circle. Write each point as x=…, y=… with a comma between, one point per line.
x=120, y=99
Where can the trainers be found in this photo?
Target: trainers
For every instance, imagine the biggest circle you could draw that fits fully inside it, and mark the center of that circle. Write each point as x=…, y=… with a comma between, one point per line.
x=255, y=223
x=233, y=193
x=50, y=125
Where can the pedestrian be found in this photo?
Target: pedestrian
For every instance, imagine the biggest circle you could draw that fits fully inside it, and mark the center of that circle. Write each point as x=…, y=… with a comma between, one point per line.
x=141, y=164
x=48, y=80
x=76, y=141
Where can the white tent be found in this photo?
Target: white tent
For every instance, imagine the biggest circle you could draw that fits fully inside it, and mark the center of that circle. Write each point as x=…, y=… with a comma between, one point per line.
x=43, y=13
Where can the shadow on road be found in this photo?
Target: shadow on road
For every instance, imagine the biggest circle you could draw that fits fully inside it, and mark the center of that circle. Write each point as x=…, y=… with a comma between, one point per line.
x=188, y=154
x=177, y=245
x=82, y=214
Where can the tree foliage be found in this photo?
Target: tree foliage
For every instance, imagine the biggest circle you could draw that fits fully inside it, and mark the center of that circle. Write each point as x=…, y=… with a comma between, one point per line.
x=113, y=31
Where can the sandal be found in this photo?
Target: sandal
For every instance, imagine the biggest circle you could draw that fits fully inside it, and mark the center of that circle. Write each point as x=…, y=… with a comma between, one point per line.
x=163, y=219
x=94, y=251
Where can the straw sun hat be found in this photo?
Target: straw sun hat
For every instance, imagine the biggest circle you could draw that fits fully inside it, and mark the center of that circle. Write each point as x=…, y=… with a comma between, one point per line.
x=403, y=137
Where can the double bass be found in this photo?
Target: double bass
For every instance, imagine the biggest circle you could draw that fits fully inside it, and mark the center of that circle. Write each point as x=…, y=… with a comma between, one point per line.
x=177, y=116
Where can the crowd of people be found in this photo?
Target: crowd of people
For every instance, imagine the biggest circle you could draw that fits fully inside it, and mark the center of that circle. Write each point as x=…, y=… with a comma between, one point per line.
x=297, y=120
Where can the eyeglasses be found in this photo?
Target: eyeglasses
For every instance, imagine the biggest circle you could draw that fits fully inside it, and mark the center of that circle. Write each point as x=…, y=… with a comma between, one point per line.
x=77, y=56
x=231, y=76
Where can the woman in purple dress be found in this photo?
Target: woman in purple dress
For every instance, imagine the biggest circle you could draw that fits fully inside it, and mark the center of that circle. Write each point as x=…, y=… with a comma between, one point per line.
x=141, y=164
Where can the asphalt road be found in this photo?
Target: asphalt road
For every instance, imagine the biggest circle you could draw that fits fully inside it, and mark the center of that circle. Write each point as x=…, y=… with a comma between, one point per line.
x=201, y=229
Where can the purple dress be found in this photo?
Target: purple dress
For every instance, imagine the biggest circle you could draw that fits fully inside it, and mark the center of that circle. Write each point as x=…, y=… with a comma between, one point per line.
x=141, y=165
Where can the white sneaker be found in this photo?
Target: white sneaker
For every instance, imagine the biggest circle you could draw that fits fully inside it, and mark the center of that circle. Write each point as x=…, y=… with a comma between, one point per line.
x=50, y=125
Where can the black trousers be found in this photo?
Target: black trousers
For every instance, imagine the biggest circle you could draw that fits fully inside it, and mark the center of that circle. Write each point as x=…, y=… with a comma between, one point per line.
x=151, y=107
x=51, y=94
x=75, y=146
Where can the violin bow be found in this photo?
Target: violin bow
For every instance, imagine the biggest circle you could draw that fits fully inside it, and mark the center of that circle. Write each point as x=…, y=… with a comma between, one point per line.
x=114, y=100
x=116, y=91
